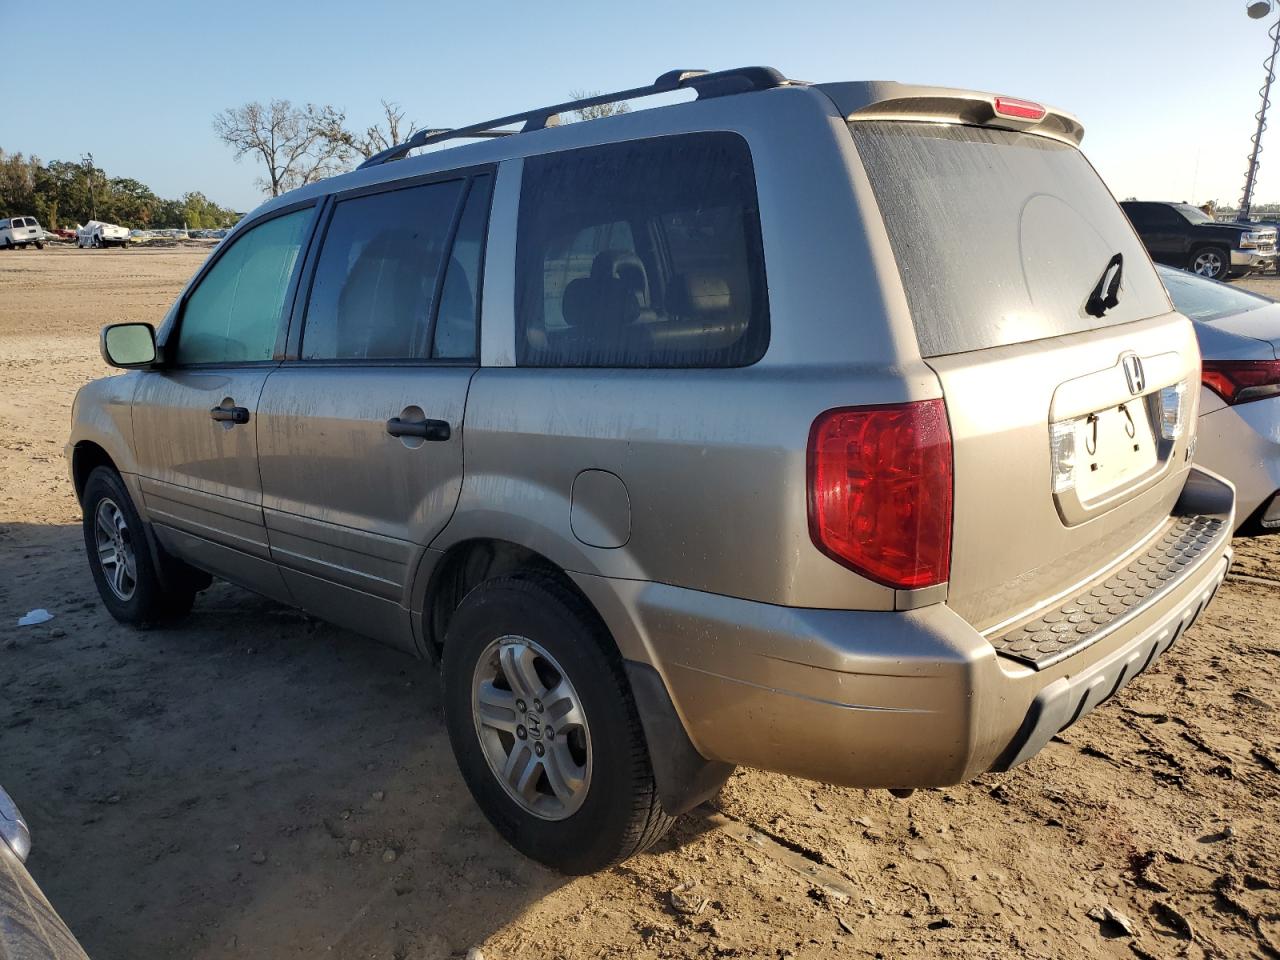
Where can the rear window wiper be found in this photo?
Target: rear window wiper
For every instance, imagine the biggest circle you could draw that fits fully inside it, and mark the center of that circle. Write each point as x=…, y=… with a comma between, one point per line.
x=1106, y=293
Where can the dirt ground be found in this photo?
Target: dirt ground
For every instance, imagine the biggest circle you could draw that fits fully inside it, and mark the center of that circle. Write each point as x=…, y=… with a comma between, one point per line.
x=255, y=783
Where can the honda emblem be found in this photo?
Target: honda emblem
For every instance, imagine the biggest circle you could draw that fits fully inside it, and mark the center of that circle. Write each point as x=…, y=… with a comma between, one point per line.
x=1134, y=374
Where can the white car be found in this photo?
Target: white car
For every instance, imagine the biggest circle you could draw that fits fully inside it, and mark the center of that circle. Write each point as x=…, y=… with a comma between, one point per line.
x=20, y=231
x=95, y=233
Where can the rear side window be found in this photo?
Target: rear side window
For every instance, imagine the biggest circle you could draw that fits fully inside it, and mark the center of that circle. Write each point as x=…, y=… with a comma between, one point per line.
x=455, y=336
x=1000, y=237
x=233, y=315
x=376, y=278
x=641, y=254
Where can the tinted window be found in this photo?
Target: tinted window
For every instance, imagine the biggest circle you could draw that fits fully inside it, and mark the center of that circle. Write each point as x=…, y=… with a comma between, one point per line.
x=1165, y=218
x=641, y=254
x=1000, y=237
x=1202, y=299
x=455, y=332
x=1137, y=214
x=234, y=313
x=375, y=280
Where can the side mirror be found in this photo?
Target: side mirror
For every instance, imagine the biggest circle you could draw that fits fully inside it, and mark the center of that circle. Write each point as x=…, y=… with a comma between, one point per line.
x=129, y=345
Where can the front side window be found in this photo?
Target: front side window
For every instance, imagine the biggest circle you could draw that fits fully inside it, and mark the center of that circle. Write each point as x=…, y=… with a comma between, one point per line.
x=641, y=254
x=376, y=277
x=234, y=313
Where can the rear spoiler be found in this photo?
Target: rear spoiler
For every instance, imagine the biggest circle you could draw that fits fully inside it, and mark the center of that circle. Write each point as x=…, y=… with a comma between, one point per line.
x=886, y=100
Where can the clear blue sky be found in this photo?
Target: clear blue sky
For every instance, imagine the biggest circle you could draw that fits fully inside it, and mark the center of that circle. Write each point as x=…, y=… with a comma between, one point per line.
x=1167, y=89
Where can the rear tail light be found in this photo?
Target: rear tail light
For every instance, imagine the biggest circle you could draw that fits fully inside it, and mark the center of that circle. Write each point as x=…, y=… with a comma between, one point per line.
x=880, y=491
x=1019, y=109
x=1239, y=381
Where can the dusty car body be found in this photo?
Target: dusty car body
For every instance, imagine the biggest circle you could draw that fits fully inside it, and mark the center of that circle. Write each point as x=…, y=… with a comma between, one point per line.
x=705, y=442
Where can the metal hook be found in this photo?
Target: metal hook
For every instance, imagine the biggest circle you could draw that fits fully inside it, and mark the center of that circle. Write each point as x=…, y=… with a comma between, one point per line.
x=1130, y=427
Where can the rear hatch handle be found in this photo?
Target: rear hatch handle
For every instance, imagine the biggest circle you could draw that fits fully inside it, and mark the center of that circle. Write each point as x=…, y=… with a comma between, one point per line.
x=1106, y=292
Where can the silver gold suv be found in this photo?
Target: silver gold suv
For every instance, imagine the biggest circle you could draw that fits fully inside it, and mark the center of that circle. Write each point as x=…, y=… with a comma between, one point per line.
x=843, y=430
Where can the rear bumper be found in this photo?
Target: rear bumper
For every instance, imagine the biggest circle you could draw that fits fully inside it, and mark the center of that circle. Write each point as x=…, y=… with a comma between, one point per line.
x=886, y=699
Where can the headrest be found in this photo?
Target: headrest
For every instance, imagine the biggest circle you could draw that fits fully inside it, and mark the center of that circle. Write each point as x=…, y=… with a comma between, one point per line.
x=625, y=266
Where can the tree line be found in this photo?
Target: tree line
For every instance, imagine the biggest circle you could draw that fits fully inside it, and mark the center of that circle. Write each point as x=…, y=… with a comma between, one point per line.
x=299, y=145
x=63, y=193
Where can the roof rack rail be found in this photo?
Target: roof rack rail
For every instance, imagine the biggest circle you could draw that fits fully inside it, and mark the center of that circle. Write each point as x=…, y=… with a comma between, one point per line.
x=707, y=84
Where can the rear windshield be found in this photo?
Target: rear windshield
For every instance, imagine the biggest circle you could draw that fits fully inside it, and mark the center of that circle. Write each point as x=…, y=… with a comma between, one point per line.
x=1000, y=236
x=1202, y=299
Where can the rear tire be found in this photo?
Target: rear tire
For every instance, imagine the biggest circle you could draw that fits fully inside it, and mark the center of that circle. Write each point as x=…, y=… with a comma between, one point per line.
x=581, y=795
x=121, y=561
x=1211, y=262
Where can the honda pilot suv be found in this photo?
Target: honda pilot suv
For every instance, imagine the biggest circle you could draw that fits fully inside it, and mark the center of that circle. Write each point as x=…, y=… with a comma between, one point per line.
x=843, y=430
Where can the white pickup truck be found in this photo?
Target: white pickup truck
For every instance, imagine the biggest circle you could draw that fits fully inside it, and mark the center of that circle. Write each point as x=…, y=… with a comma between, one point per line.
x=95, y=233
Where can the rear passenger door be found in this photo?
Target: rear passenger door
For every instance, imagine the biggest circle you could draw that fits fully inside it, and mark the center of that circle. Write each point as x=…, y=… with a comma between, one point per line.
x=360, y=430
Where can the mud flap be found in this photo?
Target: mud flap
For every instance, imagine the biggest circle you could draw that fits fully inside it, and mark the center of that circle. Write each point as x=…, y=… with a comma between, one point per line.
x=685, y=777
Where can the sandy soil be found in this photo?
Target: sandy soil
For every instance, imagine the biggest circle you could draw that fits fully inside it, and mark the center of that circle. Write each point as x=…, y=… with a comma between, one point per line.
x=254, y=783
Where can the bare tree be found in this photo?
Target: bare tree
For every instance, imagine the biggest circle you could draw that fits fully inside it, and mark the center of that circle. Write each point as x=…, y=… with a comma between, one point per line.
x=296, y=145
x=600, y=109
x=391, y=130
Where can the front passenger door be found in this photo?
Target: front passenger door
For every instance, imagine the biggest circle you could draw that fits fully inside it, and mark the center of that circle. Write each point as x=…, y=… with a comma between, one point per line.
x=195, y=418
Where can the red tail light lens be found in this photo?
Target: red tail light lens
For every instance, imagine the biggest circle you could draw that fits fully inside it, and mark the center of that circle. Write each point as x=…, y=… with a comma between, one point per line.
x=1021, y=109
x=1239, y=381
x=880, y=491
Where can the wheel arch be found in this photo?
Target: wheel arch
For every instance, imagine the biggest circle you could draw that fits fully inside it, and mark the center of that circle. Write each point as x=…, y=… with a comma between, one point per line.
x=684, y=777
x=467, y=564
x=87, y=456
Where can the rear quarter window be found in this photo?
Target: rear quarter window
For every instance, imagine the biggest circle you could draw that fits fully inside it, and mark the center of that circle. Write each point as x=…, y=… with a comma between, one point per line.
x=999, y=236
x=645, y=253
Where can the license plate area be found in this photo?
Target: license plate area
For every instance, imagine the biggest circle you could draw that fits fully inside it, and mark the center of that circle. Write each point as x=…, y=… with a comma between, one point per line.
x=1114, y=448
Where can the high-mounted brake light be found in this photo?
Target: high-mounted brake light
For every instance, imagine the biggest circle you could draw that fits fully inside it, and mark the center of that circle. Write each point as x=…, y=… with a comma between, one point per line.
x=880, y=491
x=1239, y=381
x=1019, y=109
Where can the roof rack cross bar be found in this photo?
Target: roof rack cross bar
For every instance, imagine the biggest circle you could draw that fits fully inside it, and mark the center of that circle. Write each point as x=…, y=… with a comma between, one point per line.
x=706, y=84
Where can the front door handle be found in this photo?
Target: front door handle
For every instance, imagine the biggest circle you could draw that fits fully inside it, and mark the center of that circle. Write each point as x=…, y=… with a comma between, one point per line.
x=426, y=429
x=230, y=414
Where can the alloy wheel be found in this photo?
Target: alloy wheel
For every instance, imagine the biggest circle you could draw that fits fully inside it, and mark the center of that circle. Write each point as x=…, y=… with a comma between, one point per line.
x=1208, y=263
x=532, y=727
x=115, y=549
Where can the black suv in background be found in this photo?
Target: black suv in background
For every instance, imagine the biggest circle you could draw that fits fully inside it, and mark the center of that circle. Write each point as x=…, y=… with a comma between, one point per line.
x=1185, y=236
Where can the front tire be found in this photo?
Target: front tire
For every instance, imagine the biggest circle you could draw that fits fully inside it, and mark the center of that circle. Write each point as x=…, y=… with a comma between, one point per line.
x=121, y=561
x=545, y=729
x=1211, y=262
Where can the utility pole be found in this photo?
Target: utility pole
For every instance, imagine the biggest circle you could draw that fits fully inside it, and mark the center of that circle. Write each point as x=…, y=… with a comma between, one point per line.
x=1258, y=10
x=87, y=159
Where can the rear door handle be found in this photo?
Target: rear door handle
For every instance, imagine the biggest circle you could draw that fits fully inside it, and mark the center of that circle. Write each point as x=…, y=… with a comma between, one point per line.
x=426, y=429
x=230, y=414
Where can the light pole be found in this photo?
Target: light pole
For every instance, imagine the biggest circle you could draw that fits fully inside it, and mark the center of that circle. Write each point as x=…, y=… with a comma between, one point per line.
x=88, y=166
x=1258, y=9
